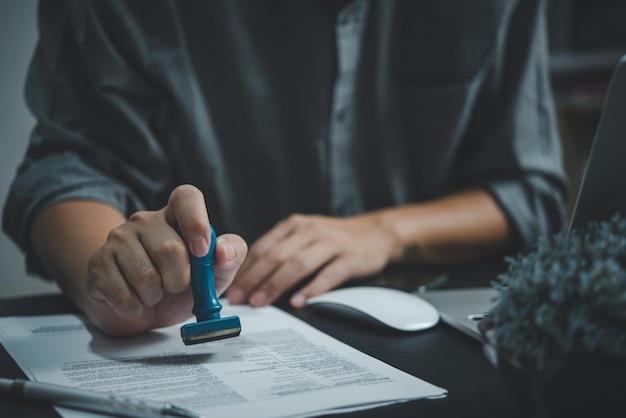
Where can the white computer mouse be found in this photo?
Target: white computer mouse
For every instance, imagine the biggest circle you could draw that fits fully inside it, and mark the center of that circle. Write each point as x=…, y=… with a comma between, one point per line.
x=392, y=308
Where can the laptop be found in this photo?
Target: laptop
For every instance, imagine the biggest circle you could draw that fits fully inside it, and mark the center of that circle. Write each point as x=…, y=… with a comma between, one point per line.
x=462, y=308
x=602, y=193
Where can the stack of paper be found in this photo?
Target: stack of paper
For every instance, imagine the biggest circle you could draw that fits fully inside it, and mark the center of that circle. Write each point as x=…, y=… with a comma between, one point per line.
x=278, y=367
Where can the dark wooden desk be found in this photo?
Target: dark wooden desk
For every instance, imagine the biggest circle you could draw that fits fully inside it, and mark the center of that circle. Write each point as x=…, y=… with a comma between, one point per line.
x=441, y=355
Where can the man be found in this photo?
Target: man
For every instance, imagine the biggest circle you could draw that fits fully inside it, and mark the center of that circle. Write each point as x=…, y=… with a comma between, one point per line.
x=336, y=137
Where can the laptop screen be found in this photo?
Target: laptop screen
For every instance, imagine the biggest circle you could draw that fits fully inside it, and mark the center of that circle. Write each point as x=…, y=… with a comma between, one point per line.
x=602, y=192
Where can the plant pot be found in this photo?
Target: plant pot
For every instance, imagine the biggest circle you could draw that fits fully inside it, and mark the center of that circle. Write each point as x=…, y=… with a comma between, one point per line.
x=575, y=386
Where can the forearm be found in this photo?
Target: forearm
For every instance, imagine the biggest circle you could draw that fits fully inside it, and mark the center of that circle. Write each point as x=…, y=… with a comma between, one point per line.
x=460, y=227
x=65, y=235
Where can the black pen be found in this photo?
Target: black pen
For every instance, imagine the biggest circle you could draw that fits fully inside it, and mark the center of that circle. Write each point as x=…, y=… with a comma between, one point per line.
x=83, y=400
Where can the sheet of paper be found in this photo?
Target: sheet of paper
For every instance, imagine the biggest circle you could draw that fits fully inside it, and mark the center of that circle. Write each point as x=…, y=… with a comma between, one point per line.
x=278, y=367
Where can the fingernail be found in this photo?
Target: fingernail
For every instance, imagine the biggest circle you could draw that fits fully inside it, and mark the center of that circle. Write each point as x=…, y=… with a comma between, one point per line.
x=228, y=248
x=236, y=296
x=199, y=247
x=259, y=299
x=298, y=300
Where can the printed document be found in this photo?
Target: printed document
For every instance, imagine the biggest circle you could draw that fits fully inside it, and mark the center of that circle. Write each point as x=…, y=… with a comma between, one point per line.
x=278, y=367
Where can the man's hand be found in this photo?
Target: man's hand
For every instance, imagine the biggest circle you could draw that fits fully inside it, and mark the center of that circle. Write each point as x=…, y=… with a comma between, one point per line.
x=459, y=227
x=333, y=250
x=139, y=278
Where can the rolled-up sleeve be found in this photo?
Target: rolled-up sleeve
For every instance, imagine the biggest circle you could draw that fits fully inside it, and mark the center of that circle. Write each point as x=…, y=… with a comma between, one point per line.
x=81, y=147
x=520, y=158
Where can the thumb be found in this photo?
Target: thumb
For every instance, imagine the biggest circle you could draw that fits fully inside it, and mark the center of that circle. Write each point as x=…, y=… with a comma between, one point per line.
x=230, y=251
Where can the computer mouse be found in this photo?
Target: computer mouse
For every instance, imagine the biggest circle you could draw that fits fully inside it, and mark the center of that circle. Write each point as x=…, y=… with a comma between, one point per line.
x=391, y=308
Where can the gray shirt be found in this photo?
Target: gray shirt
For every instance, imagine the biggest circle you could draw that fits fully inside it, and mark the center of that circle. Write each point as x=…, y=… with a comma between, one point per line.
x=277, y=107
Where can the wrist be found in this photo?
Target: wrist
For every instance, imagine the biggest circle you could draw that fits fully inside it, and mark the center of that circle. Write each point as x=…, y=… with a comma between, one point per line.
x=392, y=234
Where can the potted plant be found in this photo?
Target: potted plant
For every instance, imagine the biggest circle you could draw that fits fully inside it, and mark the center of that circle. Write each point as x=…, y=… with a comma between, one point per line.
x=557, y=334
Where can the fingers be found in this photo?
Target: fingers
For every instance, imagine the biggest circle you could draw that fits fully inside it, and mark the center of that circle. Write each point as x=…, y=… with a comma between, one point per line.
x=105, y=282
x=263, y=258
x=267, y=252
x=282, y=259
x=140, y=261
x=145, y=258
x=330, y=250
x=165, y=252
x=186, y=208
x=292, y=251
x=145, y=261
x=230, y=252
x=331, y=276
x=135, y=267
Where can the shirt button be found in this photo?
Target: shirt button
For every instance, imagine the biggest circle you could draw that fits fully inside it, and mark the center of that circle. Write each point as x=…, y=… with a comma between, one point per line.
x=341, y=116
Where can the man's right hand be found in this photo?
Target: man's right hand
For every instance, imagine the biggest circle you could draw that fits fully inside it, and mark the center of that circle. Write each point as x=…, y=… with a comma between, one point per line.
x=129, y=276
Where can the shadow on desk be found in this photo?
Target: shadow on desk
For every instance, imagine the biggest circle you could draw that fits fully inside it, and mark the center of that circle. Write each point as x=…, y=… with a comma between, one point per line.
x=440, y=355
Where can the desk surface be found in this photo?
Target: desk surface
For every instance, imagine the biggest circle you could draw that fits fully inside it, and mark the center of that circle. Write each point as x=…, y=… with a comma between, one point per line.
x=441, y=355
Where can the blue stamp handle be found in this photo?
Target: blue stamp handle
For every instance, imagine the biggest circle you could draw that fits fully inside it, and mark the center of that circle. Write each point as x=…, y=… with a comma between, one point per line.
x=206, y=304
